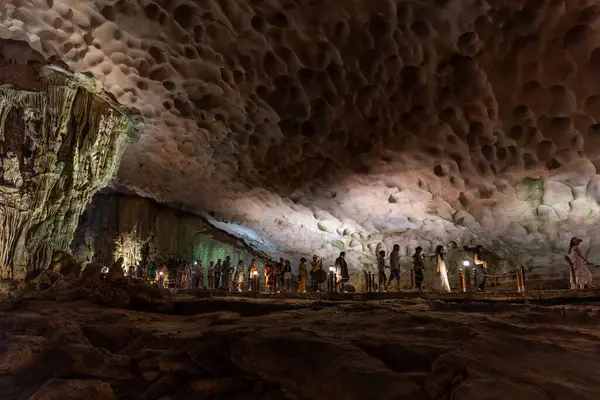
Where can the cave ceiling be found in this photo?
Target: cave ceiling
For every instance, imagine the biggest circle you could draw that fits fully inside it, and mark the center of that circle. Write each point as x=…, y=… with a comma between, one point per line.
x=313, y=126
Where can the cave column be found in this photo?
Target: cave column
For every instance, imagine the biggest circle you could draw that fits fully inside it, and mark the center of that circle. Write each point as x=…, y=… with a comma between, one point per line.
x=59, y=143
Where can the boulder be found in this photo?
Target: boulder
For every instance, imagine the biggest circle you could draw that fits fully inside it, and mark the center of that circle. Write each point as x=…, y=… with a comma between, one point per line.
x=92, y=274
x=46, y=279
x=110, y=295
x=64, y=263
x=115, y=273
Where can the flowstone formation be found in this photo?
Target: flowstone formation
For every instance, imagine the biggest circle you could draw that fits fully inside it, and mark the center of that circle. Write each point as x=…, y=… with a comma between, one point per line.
x=59, y=143
x=116, y=225
x=311, y=127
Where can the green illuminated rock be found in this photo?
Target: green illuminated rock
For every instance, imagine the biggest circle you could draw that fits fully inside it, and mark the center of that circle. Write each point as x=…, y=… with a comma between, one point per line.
x=137, y=229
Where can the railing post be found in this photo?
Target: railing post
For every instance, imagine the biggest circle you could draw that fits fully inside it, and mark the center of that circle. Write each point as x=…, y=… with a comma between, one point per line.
x=523, y=280
x=369, y=282
x=412, y=280
x=519, y=281
x=463, y=286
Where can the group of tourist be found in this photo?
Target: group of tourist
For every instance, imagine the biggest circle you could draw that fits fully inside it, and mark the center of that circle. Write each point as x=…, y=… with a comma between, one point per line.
x=279, y=278
x=418, y=267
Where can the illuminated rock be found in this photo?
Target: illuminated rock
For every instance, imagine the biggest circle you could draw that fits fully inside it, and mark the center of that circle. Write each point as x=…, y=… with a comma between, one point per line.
x=136, y=229
x=59, y=143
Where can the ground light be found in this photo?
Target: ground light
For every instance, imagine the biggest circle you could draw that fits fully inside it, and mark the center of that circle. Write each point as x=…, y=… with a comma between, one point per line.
x=465, y=276
x=331, y=280
x=255, y=282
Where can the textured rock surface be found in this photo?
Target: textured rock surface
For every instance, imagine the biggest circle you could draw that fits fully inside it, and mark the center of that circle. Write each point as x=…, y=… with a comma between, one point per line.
x=278, y=350
x=59, y=143
x=116, y=226
x=317, y=127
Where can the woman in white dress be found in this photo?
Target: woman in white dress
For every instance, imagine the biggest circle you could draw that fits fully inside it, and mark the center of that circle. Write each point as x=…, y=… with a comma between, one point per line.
x=441, y=269
x=583, y=275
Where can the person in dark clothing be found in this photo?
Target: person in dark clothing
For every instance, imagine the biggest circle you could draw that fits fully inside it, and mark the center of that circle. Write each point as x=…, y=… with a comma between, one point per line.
x=342, y=270
x=381, y=271
x=395, y=267
x=226, y=270
x=480, y=268
x=418, y=267
x=218, y=269
x=315, y=267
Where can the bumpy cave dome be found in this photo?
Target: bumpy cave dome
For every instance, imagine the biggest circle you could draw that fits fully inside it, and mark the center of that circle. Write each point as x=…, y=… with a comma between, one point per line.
x=307, y=126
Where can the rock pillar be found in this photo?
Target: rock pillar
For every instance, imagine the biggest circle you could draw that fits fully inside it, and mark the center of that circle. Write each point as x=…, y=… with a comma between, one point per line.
x=59, y=143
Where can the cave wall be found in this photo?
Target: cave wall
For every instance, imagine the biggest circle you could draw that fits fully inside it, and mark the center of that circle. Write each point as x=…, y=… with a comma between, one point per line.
x=309, y=126
x=119, y=225
x=59, y=143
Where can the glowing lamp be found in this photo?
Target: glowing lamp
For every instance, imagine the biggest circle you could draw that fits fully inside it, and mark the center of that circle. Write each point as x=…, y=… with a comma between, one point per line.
x=466, y=263
x=331, y=269
x=160, y=273
x=255, y=273
x=195, y=262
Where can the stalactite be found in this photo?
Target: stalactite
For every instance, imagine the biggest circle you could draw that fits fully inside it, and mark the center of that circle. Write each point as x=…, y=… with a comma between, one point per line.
x=58, y=146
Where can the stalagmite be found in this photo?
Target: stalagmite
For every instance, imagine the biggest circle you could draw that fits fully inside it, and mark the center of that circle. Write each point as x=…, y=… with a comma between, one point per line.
x=59, y=143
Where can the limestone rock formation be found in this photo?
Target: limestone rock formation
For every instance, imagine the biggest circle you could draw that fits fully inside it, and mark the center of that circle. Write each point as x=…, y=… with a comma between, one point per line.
x=306, y=127
x=59, y=143
x=136, y=229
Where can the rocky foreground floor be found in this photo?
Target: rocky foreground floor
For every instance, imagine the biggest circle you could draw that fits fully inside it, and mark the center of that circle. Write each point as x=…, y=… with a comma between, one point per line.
x=277, y=349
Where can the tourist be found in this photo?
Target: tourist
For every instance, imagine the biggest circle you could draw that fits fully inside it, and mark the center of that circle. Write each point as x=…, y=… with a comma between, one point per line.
x=239, y=276
x=287, y=276
x=394, y=267
x=232, y=279
x=164, y=271
x=178, y=276
x=268, y=271
x=315, y=267
x=302, y=276
x=381, y=271
x=226, y=270
x=189, y=272
x=418, y=268
x=341, y=267
x=583, y=275
x=139, y=271
x=277, y=275
x=153, y=273
x=199, y=271
x=442, y=270
x=218, y=272
x=252, y=273
x=480, y=268
x=183, y=284
x=210, y=275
